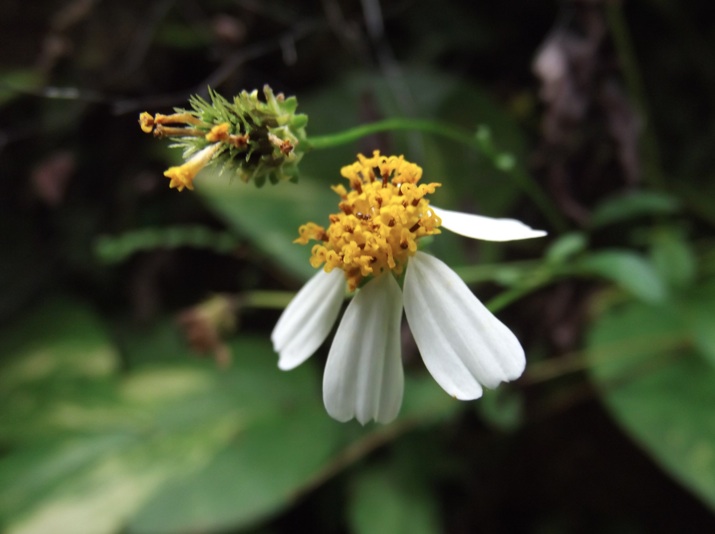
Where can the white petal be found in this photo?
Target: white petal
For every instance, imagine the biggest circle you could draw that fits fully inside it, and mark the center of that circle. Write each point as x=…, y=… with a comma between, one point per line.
x=462, y=344
x=480, y=227
x=363, y=375
x=308, y=319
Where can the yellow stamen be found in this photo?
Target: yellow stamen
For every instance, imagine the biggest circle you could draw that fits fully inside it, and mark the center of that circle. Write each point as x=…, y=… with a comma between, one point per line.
x=218, y=133
x=169, y=131
x=183, y=175
x=146, y=121
x=380, y=220
x=177, y=118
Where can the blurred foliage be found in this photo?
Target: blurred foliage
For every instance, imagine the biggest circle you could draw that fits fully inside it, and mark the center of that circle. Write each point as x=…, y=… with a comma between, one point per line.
x=120, y=410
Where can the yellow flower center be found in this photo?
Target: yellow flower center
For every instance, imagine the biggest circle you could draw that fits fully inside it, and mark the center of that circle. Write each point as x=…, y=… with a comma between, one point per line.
x=379, y=222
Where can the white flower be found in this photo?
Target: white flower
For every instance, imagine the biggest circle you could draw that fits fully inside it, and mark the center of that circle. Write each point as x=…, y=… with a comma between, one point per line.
x=464, y=346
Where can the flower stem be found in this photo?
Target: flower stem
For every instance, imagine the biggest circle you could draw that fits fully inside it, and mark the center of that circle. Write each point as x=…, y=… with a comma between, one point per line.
x=480, y=142
x=358, y=132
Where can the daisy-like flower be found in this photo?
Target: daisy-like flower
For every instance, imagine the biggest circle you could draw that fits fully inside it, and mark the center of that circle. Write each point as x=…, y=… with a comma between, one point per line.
x=371, y=245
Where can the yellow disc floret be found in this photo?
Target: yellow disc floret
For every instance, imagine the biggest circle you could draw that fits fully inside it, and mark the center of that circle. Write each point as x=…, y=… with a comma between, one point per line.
x=379, y=222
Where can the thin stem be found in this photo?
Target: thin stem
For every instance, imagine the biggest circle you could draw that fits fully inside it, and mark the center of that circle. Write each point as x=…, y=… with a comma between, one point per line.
x=522, y=179
x=363, y=130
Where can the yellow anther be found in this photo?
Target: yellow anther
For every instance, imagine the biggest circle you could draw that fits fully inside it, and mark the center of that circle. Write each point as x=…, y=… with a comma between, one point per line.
x=218, y=133
x=146, y=121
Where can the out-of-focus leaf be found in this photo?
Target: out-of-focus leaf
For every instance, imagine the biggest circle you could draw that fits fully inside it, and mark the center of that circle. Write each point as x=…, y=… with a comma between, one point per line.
x=230, y=446
x=565, y=247
x=172, y=445
x=252, y=476
x=673, y=257
x=270, y=216
x=184, y=36
x=384, y=503
x=60, y=350
x=659, y=390
x=15, y=83
x=503, y=408
x=633, y=205
x=697, y=312
x=629, y=270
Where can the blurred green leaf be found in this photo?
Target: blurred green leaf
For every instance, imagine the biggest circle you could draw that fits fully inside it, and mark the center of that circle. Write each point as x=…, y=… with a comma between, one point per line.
x=172, y=445
x=16, y=83
x=629, y=270
x=256, y=473
x=632, y=205
x=383, y=502
x=697, y=312
x=231, y=446
x=565, y=247
x=58, y=353
x=270, y=216
x=673, y=257
x=502, y=408
x=659, y=390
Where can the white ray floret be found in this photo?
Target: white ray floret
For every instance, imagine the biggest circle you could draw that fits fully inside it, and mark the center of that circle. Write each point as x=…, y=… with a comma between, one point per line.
x=308, y=319
x=486, y=228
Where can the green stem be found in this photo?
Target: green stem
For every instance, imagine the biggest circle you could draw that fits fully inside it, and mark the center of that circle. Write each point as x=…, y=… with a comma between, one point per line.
x=358, y=132
x=479, y=143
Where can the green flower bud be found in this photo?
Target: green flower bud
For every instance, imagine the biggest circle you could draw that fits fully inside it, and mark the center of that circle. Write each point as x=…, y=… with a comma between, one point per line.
x=250, y=138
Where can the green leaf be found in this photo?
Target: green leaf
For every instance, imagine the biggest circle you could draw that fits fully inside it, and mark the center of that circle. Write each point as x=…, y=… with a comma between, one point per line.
x=59, y=350
x=253, y=476
x=503, y=408
x=103, y=450
x=174, y=444
x=659, y=390
x=673, y=257
x=383, y=502
x=632, y=205
x=696, y=312
x=629, y=270
x=270, y=216
x=565, y=247
x=16, y=83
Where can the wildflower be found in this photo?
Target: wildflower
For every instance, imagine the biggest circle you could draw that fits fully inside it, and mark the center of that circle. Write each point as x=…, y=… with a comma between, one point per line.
x=369, y=245
x=253, y=139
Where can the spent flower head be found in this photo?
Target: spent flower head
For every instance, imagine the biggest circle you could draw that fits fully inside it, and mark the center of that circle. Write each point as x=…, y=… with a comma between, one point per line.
x=252, y=138
x=371, y=245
